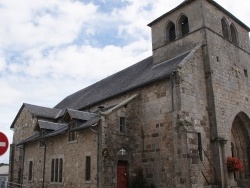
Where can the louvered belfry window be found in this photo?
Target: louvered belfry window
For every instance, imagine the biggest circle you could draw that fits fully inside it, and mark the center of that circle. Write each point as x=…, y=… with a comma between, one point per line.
x=171, y=35
x=224, y=26
x=233, y=34
x=185, y=26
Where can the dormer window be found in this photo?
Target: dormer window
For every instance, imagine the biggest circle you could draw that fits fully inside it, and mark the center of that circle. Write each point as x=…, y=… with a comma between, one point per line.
x=72, y=134
x=224, y=26
x=234, y=37
x=183, y=25
x=170, y=32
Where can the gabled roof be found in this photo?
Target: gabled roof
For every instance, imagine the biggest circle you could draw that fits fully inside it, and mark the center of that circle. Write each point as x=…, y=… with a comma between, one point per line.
x=186, y=2
x=50, y=125
x=39, y=111
x=44, y=112
x=80, y=115
x=57, y=132
x=135, y=76
x=87, y=124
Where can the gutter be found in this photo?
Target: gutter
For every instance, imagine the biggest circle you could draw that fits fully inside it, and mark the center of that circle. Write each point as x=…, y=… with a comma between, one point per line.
x=97, y=153
x=44, y=160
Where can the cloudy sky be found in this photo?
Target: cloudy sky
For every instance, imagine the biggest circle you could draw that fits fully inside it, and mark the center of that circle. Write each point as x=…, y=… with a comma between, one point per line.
x=52, y=48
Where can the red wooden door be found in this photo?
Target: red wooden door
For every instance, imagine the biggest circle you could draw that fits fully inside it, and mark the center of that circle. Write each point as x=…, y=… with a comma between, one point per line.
x=122, y=174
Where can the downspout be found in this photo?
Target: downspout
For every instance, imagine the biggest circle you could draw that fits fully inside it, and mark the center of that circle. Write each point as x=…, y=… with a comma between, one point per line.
x=44, y=160
x=97, y=152
x=172, y=91
x=23, y=148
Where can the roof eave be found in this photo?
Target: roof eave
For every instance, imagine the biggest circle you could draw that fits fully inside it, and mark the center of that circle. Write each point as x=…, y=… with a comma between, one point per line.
x=19, y=112
x=169, y=12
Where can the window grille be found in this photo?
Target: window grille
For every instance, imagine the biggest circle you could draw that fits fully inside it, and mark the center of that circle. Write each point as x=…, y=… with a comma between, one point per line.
x=171, y=35
x=185, y=26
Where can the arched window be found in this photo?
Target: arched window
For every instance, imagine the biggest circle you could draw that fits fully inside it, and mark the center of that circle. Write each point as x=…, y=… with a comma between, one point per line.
x=170, y=32
x=233, y=34
x=224, y=26
x=183, y=25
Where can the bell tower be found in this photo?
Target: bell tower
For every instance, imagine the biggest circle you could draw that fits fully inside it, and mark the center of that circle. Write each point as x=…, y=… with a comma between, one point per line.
x=177, y=31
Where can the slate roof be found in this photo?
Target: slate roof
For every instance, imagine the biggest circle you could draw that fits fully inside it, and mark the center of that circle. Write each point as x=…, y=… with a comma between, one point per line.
x=31, y=138
x=186, y=2
x=45, y=112
x=87, y=124
x=39, y=111
x=81, y=115
x=50, y=125
x=57, y=132
x=135, y=76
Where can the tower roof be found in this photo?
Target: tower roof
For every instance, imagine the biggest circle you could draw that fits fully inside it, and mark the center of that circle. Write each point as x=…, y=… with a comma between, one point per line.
x=187, y=2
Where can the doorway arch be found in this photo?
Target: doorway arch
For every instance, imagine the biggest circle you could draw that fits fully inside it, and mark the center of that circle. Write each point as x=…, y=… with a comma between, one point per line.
x=240, y=143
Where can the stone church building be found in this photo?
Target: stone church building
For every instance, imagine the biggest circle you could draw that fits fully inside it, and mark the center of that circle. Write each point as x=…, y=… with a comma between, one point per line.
x=177, y=115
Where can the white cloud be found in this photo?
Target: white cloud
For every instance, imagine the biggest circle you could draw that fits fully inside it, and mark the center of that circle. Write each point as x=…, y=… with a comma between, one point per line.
x=39, y=23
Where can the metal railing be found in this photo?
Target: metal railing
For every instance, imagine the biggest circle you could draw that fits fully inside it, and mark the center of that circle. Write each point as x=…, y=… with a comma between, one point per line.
x=209, y=171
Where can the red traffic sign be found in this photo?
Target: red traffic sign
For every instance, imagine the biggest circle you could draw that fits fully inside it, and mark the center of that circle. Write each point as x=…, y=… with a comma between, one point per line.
x=4, y=143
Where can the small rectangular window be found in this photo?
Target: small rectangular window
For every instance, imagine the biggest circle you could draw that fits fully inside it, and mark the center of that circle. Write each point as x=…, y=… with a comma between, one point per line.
x=72, y=134
x=217, y=58
x=122, y=124
x=200, y=146
x=30, y=170
x=245, y=73
x=88, y=168
x=56, y=171
x=60, y=170
x=41, y=143
x=52, y=170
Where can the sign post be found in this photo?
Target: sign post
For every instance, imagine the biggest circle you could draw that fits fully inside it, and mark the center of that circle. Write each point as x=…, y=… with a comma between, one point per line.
x=4, y=143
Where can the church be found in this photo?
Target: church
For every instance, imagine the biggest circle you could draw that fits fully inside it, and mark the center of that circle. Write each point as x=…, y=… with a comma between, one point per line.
x=181, y=116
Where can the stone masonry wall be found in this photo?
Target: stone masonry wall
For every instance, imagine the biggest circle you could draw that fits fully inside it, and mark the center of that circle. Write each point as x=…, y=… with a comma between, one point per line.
x=149, y=139
x=193, y=113
x=231, y=85
x=213, y=16
x=229, y=76
x=73, y=155
x=23, y=129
